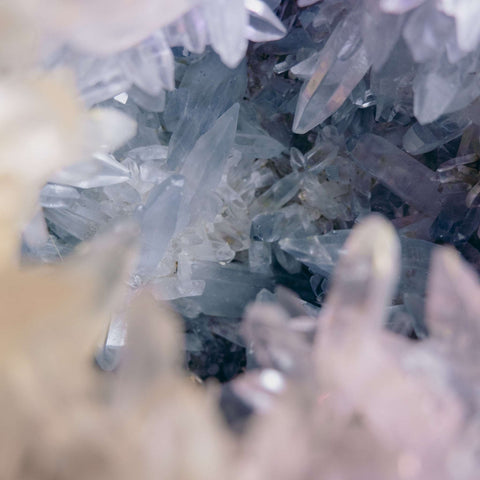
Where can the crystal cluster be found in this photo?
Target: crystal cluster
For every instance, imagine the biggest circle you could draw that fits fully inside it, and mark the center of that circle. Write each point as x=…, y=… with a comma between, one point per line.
x=231, y=158
x=215, y=173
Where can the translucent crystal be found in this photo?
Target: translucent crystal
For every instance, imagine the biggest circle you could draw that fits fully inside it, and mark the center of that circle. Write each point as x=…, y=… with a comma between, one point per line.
x=263, y=24
x=446, y=298
x=171, y=288
x=399, y=6
x=392, y=84
x=149, y=153
x=204, y=165
x=111, y=128
x=425, y=138
x=330, y=83
x=158, y=223
x=227, y=26
x=150, y=65
x=98, y=79
x=197, y=105
x=321, y=253
x=456, y=162
x=253, y=141
x=441, y=87
x=274, y=343
x=457, y=220
x=367, y=269
x=81, y=221
x=101, y=171
x=380, y=33
x=189, y=31
x=279, y=194
x=425, y=30
x=404, y=175
x=58, y=196
x=147, y=102
x=260, y=256
x=465, y=13
x=228, y=288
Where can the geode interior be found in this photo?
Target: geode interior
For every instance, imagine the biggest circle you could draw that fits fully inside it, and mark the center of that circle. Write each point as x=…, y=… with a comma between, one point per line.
x=267, y=132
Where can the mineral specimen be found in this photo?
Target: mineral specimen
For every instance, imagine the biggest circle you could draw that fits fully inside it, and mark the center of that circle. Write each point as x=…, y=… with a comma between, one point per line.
x=281, y=173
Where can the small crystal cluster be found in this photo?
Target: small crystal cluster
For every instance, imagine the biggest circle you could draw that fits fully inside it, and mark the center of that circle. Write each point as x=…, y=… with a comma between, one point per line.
x=148, y=149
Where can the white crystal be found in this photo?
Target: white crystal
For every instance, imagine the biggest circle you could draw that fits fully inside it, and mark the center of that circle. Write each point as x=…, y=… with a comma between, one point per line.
x=111, y=128
x=399, y=6
x=227, y=27
x=121, y=97
x=189, y=31
x=263, y=24
x=101, y=171
x=466, y=14
x=150, y=65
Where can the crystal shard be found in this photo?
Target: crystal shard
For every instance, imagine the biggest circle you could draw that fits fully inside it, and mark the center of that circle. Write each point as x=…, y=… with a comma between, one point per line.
x=279, y=194
x=189, y=31
x=101, y=171
x=404, y=175
x=58, y=196
x=158, y=223
x=341, y=65
x=205, y=164
x=150, y=65
x=466, y=13
x=98, y=79
x=227, y=24
x=424, y=31
x=425, y=138
x=263, y=25
x=198, y=105
x=379, y=25
x=320, y=253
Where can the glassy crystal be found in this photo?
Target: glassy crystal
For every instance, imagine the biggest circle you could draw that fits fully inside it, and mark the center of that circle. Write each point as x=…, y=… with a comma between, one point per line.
x=58, y=196
x=397, y=171
x=158, y=223
x=101, y=171
x=425, y=138
x=201, y=103
x=204, y=165
x=330, y=83
x=150, y=65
